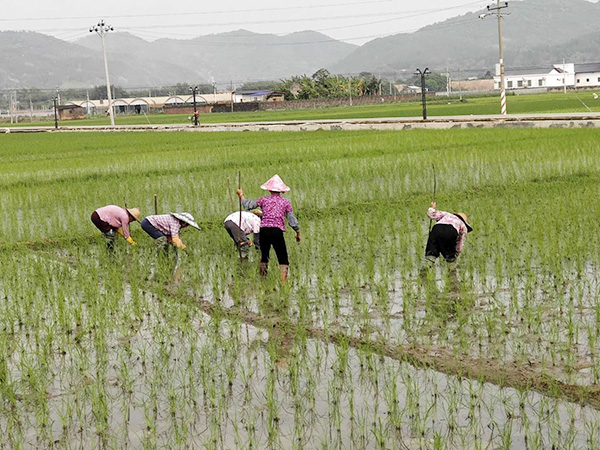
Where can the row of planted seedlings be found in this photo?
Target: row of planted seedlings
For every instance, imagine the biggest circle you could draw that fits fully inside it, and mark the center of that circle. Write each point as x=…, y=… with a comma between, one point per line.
x=151, y=369
x=63, y=178
x=370, y=286
x=139, y=362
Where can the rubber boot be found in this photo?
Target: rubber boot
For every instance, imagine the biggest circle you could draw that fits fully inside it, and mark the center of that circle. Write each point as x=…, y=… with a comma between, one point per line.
x=284, y=272
x=244, y=250
x=110, y=240
x=262, y=267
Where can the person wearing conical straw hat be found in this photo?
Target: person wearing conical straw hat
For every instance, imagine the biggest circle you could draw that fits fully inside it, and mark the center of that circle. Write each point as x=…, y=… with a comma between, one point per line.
x=275, y=208
x=239, y=232
x=112, y=220
x=447, y=237
x=165, y=228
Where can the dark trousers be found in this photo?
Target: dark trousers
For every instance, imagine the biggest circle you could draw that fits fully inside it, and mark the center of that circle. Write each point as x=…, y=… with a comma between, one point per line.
x=238, y=235
x=101, y=224
x=154, y=232
x=235, y=232
x=442, y=239
x=272, y=236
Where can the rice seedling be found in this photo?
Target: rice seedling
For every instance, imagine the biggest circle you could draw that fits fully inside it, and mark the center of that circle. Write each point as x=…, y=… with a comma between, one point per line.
x=365, y=346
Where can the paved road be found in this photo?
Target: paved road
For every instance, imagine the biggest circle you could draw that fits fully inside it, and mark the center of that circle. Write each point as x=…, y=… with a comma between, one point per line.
x=576, y=120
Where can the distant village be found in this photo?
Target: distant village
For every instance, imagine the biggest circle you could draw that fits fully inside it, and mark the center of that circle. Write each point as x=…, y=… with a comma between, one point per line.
x=566, y=76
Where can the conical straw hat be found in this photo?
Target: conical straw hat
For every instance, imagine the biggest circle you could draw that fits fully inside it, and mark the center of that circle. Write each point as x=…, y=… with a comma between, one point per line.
x=465, y=219
x=275, y=184
x=135, y=213
x=187, y=218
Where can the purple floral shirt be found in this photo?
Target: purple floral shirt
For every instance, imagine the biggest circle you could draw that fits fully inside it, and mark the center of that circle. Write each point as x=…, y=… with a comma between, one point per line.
x=274, y=209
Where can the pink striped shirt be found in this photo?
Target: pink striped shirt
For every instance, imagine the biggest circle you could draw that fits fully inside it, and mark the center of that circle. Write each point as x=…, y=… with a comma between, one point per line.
x=446, y=218
x=116, y=217
x=166, y=223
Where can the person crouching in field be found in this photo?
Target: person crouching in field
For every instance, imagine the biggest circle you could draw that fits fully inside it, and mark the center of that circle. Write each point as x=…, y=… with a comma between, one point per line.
x=447, y=236
x=239, y=232
x=112, y=220
x=165, y=228
x=275, y=209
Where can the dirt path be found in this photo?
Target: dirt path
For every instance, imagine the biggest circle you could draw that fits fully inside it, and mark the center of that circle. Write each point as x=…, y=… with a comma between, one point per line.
x=575, y=120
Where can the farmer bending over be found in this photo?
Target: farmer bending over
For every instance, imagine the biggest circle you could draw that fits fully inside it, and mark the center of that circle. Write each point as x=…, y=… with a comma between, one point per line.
x=113, y=219
x=164, y=228
x=239, y=233
x=448, y=234
x=272, y=225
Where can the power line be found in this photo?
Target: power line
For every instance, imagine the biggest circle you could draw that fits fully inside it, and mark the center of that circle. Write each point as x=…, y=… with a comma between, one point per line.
x=204, y=13
x=273, y=44
x=403, y=15
x=328, y=40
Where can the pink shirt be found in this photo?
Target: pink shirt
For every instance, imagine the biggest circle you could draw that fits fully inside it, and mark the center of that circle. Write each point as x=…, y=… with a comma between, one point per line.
x=116, y=217
x=166, y=223
x=446, y=218
x=250, y=221
x=274, y=208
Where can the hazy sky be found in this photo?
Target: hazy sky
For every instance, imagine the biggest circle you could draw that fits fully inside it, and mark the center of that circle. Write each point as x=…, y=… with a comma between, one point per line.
x=354, y=21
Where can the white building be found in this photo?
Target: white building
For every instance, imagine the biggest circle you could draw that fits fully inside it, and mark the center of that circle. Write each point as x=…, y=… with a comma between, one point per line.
x=144, y=104
x=587, y=75
x=558, y=76
x=253, y=96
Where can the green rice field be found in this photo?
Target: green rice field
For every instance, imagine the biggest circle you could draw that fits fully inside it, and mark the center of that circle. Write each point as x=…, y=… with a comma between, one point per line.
x=366, y=346
x=572, y=102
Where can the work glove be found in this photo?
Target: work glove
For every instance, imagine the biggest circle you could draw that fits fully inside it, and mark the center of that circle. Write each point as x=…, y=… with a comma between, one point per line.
x=131, y=241
x=120, y=231
x=177, y=242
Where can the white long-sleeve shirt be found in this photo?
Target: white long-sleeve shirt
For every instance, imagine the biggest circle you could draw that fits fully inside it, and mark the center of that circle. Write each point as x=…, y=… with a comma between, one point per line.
x=250, y=221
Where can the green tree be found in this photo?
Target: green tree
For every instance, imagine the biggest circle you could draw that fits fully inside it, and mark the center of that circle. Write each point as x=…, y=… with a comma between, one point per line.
x=260, y=86
x=99, y=92
x=434, y=82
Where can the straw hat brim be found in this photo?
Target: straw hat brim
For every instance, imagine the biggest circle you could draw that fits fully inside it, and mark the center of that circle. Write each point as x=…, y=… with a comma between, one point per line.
x=129, y=210
x=187, y=220
x=469, y=228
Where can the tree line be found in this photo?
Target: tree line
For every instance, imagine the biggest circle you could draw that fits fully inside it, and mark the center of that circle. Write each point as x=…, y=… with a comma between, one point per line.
x=319, y=85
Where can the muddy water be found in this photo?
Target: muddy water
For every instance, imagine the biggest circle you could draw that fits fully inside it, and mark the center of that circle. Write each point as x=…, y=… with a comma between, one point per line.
x=177, y=377
x=307, y=395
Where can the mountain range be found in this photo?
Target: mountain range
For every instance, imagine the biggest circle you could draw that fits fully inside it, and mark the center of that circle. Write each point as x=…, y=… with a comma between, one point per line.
x=536, y=33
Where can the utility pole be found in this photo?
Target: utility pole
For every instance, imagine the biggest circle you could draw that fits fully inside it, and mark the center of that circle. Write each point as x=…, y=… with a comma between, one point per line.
x=194, y=91
x=55, y=113
x=11, y=107
x=564, y=77
x=16, y=107
x=101, y=29
x=350, y=89
x=497, y=10
x=423, y=96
